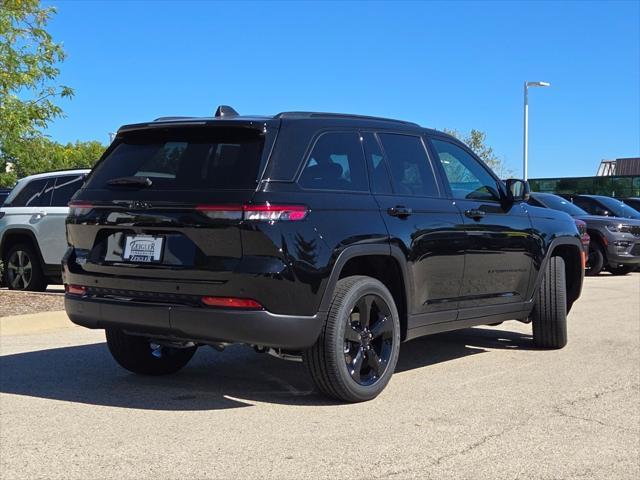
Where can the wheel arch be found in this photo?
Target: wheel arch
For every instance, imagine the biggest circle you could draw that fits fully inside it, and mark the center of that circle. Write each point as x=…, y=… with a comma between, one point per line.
x=383, y=262
x=15, y=236
x=570, y=249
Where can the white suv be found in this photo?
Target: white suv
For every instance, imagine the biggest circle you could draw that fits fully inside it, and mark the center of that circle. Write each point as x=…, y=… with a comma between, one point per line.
x=32, y=228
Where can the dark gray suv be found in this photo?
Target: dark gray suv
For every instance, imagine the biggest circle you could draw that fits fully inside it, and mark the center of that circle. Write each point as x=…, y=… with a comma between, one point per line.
x=615, y=241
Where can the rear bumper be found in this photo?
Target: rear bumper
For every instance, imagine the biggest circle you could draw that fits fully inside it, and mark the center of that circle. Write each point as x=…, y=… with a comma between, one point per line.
x=200, y=324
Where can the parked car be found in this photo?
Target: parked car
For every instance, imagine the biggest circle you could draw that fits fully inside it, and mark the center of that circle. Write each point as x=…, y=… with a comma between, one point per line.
x=633, y=202
x=615, y=241
x=318, y=237
x=604, y=206
x=32, y=228
x=4, y=193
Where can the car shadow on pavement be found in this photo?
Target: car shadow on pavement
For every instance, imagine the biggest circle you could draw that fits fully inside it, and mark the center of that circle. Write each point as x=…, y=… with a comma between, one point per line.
x=235, y=378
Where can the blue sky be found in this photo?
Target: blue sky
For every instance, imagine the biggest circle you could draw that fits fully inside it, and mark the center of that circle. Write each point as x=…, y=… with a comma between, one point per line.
x=458, y=65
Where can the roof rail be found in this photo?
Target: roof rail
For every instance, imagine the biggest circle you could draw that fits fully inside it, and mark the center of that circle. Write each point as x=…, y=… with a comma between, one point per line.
x=341, y=115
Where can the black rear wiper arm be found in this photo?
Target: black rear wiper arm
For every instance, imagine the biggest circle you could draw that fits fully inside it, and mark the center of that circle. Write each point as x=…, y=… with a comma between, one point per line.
x=131, y=181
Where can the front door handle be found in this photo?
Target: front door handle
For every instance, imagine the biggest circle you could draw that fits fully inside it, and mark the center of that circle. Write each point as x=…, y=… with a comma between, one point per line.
x=474, y=213
x=399, y=211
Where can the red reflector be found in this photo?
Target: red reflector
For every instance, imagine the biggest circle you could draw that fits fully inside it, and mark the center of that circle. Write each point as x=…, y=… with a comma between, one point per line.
x=583, y=260
x=75, y=289
x=231, y=302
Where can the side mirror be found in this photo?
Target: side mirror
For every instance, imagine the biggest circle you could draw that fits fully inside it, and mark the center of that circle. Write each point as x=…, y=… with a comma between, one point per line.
x=518, y=189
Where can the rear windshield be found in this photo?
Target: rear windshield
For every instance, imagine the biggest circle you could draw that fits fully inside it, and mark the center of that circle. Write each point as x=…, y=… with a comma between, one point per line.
x=188, y=158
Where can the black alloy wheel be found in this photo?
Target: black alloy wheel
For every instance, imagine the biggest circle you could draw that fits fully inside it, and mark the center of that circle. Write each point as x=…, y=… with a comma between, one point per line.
x=368, y=340
x=358, y=347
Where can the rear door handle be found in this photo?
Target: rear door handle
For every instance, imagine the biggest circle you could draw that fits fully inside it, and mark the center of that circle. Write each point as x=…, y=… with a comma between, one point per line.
x=474, y=213
x=399, y=211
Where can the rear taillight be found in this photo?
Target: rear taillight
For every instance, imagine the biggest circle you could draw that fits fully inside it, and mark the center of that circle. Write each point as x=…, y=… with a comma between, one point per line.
x=267, y=212
x=77, y=209
x=232, y=302
x=75, y=289
x=289, y=213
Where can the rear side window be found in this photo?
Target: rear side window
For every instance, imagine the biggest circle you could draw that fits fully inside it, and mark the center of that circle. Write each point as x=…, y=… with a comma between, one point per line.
x=65, y=188
x=33, y=194
x=185, y=158
x=336, y=163
x=411, y=170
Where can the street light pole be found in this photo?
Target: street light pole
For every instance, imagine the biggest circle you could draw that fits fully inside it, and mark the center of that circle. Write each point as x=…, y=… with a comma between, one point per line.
x=525, y=153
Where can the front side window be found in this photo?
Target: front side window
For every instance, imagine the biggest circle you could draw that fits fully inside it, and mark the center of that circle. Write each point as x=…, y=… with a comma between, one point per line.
x=65, y=188
x=335, y=163
x=411, y=172
x=467, y=178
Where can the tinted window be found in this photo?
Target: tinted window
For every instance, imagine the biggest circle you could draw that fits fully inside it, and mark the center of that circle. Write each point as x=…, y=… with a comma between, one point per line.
x=589, y=205
x=65, y=188
x=559, y=203
x=336, y=163
x=467, y=178
x=618, y=208
x=378, y=172
x=411, y=171
x=33, y=194
x=185, y=158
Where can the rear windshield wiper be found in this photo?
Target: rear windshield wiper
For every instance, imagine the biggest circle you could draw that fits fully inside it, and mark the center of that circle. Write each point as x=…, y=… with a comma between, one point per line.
x=131, y=182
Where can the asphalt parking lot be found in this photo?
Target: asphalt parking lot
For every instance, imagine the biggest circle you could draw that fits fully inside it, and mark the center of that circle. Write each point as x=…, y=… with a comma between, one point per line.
x=479, y=403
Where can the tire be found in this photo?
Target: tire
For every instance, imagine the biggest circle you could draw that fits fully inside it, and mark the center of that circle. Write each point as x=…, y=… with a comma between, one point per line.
x=23, y=270
x=595, y=260
x=622, y=270
x=371, y=347
x=549, y=315
x=136, y=354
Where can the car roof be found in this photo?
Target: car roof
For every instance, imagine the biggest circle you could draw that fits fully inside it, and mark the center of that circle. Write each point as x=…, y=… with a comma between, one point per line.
x=257, y=121
x=56, y=173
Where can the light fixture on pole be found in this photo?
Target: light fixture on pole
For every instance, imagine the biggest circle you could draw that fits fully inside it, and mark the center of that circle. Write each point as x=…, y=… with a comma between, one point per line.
x=525, y=162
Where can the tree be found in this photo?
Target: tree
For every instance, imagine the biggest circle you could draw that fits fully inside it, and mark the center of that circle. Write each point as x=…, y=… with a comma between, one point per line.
x=29, y=61
x=39, y=154
x=476, y=141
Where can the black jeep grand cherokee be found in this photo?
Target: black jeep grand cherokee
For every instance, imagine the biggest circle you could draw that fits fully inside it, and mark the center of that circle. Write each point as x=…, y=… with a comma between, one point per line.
x=322, y=237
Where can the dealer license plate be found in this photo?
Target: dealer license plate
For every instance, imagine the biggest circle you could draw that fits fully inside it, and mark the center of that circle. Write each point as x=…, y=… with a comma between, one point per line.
x=143, y=248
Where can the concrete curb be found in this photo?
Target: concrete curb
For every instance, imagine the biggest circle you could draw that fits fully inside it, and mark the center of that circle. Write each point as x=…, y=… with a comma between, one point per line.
x=34, y=323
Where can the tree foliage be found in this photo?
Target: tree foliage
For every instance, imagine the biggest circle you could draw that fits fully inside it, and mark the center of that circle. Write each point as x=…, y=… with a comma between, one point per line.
x=476, y=140
x=39, y=154
x=29, y=67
